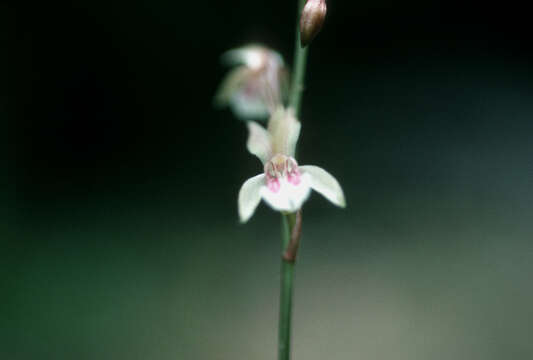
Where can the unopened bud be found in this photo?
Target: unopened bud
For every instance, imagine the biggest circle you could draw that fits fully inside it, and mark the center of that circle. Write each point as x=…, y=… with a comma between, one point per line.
x=313, y=15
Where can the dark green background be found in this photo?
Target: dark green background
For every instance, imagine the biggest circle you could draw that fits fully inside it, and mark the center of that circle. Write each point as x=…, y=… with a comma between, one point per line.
x=121, y=233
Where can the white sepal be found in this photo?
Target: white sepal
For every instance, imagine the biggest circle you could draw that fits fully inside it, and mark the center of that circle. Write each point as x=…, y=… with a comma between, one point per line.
x=249, y=196
x=323, y=182
x=259, y=142
x=284, y=129
x=293, y=131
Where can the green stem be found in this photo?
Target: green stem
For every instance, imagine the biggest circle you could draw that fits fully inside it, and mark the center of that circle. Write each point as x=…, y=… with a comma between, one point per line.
x=285, y=304
x=289, y=220
x=300, y=59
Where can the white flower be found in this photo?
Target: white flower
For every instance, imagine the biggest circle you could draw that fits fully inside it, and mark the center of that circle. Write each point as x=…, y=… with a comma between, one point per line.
x=284, y=185
x=254, y=89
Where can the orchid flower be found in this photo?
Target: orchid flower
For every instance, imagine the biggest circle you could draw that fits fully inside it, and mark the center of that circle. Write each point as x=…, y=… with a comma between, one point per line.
x=254, y=89
x=284, y=185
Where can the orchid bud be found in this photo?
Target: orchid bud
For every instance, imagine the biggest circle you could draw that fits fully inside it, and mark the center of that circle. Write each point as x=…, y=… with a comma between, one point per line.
x=311, y=21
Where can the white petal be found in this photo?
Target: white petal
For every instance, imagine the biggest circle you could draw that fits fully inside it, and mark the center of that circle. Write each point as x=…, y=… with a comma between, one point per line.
x=259, y=141
x=284, y=129
x=324, y=183
x=249, y=196
x=289, y=197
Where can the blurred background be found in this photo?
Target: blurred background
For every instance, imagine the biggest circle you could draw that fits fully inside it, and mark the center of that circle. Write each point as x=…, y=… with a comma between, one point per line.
x=120, y=237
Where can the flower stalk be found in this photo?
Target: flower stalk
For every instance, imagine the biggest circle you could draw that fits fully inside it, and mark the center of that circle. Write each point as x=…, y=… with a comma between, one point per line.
x=290, y=243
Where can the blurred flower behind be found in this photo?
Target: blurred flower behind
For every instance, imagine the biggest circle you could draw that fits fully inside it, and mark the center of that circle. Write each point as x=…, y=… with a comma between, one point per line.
x=256, y=86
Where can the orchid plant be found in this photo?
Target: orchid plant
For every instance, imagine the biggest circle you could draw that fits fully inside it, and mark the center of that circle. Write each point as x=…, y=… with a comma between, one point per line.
x=256, y=90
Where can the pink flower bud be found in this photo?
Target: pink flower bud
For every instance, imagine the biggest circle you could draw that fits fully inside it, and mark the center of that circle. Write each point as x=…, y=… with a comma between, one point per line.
x=311, y=21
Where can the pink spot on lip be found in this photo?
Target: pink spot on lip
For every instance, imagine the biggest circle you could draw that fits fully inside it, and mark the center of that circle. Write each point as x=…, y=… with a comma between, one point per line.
x=294, y=178
x=273, y=185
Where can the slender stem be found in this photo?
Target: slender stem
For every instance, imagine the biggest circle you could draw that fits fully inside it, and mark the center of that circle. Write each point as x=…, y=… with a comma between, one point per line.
x=285, y=305
x=298, y=71
x=291, y=223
